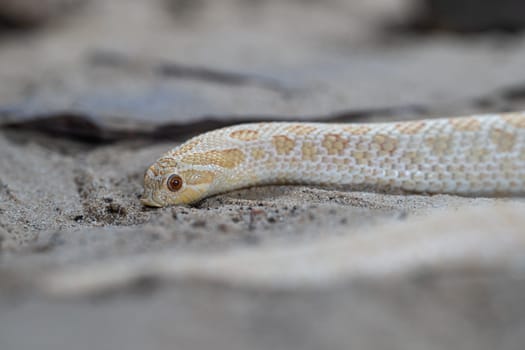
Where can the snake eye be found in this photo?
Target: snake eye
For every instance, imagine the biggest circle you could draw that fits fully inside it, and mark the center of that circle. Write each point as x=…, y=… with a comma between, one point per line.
x=174, y=183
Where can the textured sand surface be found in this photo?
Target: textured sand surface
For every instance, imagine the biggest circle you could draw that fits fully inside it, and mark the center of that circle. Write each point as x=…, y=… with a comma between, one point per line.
x=89, y=101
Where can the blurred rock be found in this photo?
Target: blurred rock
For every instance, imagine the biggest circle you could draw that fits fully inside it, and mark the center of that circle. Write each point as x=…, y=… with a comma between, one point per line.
x=32, y=13
x=473, y=15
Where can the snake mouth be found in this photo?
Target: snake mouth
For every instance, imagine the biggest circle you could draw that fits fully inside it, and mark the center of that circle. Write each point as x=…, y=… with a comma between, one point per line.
x=150, y=202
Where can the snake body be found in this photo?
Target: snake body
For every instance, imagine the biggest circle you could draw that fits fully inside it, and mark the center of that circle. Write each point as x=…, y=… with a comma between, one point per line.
x=473, y=155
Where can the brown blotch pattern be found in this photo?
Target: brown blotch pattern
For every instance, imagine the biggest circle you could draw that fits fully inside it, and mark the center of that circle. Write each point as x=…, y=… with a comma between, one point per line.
x=357, y=129
x=410, y=128
x=300, y=129
x=465, y=124
x=164, y=166
x=186, y=147
x=413, y=157
x=154, y=169
x=167, y=162
x=440, y=145
x=258, y=153
x=334, y=144
x=503, y=140
x=228, y=158
x=361, y=157
x=517, y=120
x=309, y=151
x=384, y=143
x=477, y=154
x=283, y=144
x=269, y=163
x=245, y=135
x=197, y=177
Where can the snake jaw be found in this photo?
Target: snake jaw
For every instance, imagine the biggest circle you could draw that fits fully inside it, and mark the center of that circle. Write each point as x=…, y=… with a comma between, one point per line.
x=189, y=195
x=150, y=202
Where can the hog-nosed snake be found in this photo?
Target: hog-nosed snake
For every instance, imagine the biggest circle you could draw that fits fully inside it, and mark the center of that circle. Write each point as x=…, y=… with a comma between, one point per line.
x=474, y=155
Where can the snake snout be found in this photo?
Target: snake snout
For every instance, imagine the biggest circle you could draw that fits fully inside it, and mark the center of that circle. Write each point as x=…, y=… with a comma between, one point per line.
x=152, y=184
x=148, y=199
x=150, y=202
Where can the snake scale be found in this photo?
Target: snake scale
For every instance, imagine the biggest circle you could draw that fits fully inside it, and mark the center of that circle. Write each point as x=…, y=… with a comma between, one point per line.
x=473, y=155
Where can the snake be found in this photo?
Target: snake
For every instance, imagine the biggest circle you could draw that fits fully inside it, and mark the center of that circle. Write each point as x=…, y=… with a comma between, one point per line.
x=474, y=155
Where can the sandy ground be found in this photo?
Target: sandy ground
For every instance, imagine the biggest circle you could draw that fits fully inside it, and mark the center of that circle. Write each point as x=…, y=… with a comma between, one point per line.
x=90, y=100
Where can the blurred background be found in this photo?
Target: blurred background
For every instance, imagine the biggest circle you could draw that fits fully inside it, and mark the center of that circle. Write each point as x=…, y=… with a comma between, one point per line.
x=105, y=69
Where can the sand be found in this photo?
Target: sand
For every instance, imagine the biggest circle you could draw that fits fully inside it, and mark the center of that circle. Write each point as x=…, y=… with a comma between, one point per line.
x=88, y=102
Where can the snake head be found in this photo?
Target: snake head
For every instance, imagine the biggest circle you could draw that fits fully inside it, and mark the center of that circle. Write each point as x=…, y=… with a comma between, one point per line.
x=193, y=171
x=169, y=185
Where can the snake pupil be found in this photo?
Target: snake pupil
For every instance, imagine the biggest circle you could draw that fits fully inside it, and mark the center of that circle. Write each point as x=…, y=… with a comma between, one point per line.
x=174, y=183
